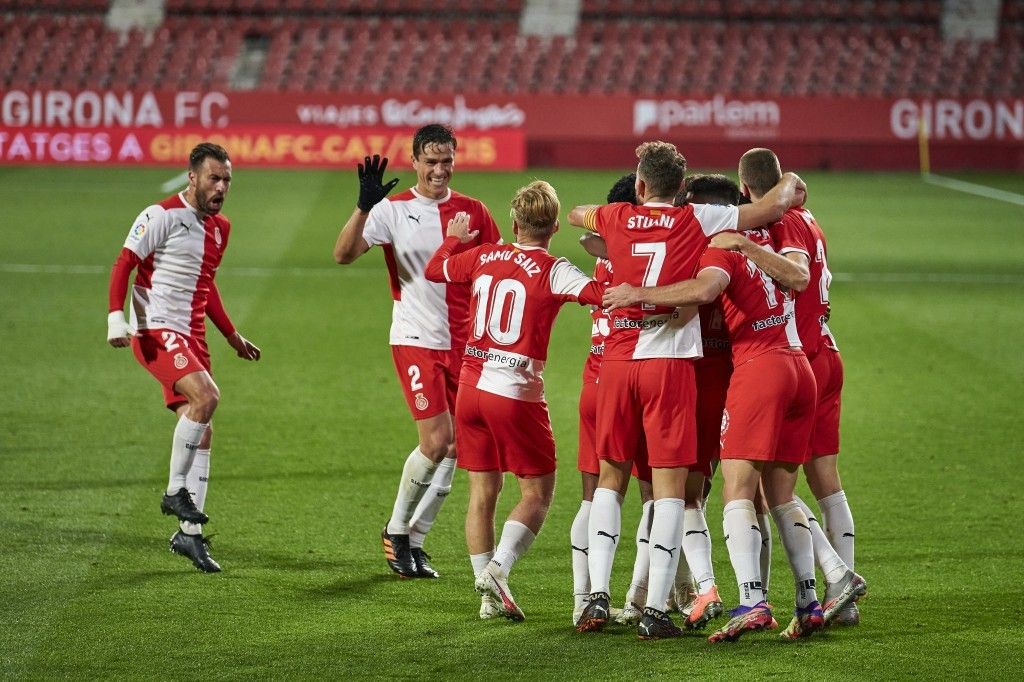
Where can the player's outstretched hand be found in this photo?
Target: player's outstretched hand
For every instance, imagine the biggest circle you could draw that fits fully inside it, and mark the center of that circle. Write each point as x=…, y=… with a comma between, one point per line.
x=459, y=227
x=621, y=296
x=119, y=332
x=729, y=241
x=245, y=348
x=371, y=182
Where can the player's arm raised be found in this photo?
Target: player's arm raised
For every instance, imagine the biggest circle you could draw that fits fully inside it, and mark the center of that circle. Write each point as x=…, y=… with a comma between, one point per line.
x=704, y=288
x=584, y=216
x=786, y=271
x=789, y=192
x=443, y=266
x=372, y=190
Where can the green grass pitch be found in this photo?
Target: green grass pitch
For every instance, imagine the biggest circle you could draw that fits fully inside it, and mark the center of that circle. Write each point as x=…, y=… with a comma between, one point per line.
x=309, y=443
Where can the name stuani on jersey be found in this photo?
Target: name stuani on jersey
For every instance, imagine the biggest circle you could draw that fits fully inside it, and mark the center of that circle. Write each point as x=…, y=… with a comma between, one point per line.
x=643, y=222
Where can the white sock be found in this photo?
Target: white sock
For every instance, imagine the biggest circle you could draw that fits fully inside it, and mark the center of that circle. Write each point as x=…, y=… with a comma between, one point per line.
x=764, y=522
x=832, y=565
x=666, y=530
x=795, y=531
x=603, y=537
x=515, y=540
x=196, y=482
x=416, y=476
x=835, y=510
x=480, y=561
x=697, y=548
x=743, y=540
x=684, y=578
x=430, y=504
x=187, y=435
x=578, y=542
x=637, y=592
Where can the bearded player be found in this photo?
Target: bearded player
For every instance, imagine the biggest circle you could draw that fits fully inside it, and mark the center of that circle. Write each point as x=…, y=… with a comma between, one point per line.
x=176, y=247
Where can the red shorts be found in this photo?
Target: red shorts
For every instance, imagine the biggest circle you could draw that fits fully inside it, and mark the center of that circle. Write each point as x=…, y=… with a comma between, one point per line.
x=712, y=375
x=586, y=454
x=769, y=411
x=652, y=401
x=495, y=433
x=828, y=375
x=169, y=355
x=587, y=460
x=429, y=378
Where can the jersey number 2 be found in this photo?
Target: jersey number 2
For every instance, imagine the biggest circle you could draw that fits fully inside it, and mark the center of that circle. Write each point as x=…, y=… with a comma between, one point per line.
x=414, y=378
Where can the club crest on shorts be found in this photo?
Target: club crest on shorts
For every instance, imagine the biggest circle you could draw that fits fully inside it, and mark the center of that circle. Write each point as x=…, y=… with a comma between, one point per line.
x=180, y=361
x=725, y=421
x=421, y=402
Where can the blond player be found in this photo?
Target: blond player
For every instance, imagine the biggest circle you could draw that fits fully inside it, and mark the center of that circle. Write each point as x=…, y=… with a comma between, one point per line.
x=501, y=417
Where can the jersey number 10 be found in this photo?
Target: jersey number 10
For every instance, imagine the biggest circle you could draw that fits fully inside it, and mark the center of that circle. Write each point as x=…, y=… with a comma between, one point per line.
x=499, y=309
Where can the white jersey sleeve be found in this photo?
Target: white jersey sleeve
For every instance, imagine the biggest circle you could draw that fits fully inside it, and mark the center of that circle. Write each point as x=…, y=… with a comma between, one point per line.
x=378, y=224
x=714, y=219
x=566, y=279
x=148, y=231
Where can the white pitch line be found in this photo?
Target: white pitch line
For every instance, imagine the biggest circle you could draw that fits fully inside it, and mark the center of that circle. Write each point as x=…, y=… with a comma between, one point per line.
x=853, y=277
x=176, y=182
x=971, y=188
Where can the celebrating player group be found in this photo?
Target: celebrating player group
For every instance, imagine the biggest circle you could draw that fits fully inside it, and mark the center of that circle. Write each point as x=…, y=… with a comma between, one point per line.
x=710, y=352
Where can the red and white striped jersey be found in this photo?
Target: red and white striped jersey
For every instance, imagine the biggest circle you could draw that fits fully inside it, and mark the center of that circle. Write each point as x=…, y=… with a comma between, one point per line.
x=599, y=325
x=180, y=253
x=798, y=231
x=648, y=246
x=753, y=307
x=517, y=292
x=410, y=227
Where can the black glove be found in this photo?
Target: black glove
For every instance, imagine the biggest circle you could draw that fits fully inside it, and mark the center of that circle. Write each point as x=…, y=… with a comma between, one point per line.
x=371, y=182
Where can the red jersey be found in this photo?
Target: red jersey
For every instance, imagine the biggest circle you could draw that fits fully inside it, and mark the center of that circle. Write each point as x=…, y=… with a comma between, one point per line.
x=714, y=336
x=599, y=325
x=799, y=232
x=648, y=246
x=754, y=309
x=517, y=292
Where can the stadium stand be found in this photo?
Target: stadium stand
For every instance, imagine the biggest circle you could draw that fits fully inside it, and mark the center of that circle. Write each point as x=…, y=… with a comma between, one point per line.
x=735, y=47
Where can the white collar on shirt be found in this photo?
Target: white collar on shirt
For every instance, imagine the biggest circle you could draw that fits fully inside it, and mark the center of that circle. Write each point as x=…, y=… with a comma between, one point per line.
x=429, y=200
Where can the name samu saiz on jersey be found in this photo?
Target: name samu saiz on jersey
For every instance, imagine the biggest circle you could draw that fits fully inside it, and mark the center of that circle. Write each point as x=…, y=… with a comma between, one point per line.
x=518, y=257
x=643, y=222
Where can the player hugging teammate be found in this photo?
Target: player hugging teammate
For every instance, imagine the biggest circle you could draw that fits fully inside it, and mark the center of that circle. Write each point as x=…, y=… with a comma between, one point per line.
x=472, y=321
